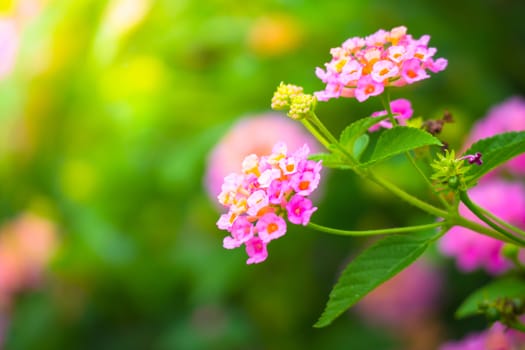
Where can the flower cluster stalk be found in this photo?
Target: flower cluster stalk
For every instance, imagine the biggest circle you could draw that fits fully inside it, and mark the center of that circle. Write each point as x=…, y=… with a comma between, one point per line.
x=449, y=216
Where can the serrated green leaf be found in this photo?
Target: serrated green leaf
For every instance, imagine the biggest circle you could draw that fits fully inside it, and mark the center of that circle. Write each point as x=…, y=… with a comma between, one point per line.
x=353, y=131
x=375, y=265
x=495, y=151
x=400, y=139
x=360, y=146
x=330, y=160
x=510, y=287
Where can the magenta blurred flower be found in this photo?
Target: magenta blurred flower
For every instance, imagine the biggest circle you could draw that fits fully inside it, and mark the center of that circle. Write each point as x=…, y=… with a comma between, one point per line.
x=252, y=135
x=257, y=199
x=497, y=337
x=507, y=116
x=9, y=41
x=401, y=109
x=473, y=250
x=406, y=300
x=363, y=67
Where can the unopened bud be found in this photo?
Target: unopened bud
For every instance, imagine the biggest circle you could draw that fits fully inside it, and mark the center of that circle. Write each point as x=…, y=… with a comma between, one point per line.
x=301, y=106
x=282, y=97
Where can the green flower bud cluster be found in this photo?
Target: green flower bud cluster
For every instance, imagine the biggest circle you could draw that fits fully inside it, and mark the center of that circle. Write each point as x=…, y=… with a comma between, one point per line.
x=450, y=172
x=506, y=310
x=291, y=97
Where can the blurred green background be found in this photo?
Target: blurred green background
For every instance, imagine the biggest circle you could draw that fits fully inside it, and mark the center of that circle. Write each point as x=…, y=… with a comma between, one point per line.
x=105, y=126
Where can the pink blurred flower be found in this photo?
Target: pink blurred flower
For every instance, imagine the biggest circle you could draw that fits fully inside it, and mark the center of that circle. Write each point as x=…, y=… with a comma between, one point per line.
x=26, y=246
x=401, y=109
x=473, y=250
x=497, y=337
x=405, y=301
x=9, y=42
x=363, y=67
x=507, y=116
x=252, y=135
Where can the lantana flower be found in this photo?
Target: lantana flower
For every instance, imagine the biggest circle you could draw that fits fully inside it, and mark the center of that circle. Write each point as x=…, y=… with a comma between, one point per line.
x=268, y=189
x=363, y=67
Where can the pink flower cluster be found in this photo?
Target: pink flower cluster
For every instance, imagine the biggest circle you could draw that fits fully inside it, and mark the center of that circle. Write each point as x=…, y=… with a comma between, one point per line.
x=363, y=67
x=258, y=198
x=401, y=109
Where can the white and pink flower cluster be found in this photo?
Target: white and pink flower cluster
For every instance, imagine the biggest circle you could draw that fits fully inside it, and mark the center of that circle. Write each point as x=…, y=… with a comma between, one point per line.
x=268, y=188
x=363, y=67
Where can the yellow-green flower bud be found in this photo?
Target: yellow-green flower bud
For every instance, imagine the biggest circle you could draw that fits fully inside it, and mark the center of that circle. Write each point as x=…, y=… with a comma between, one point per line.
x=302, y=105
x=282, y=98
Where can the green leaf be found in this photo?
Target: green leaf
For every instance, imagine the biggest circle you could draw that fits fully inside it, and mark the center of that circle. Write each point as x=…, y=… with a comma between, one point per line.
x=375, y=265
x=495, y=151
x=400, y=139
x=353, y=131
x=330, y=160
x=510, y=287
x=360, y=145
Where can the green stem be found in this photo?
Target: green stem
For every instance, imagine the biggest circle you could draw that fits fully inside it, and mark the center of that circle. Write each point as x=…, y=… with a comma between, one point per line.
x=385, y=100
x=500, y=221
x=386, y=103
x=308, y=125
x=375, y=232
x=326, y=133
x=474, y=209
x=425, y=178
x=474, y=226
x=409, y=198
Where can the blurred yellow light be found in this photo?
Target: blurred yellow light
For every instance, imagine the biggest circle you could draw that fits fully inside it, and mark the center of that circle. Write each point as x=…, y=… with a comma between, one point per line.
x=6, y=7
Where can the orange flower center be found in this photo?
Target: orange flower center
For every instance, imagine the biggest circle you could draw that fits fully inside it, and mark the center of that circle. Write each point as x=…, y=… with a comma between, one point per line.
x=369, y=89
x=411, y=74
x=303, y=185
